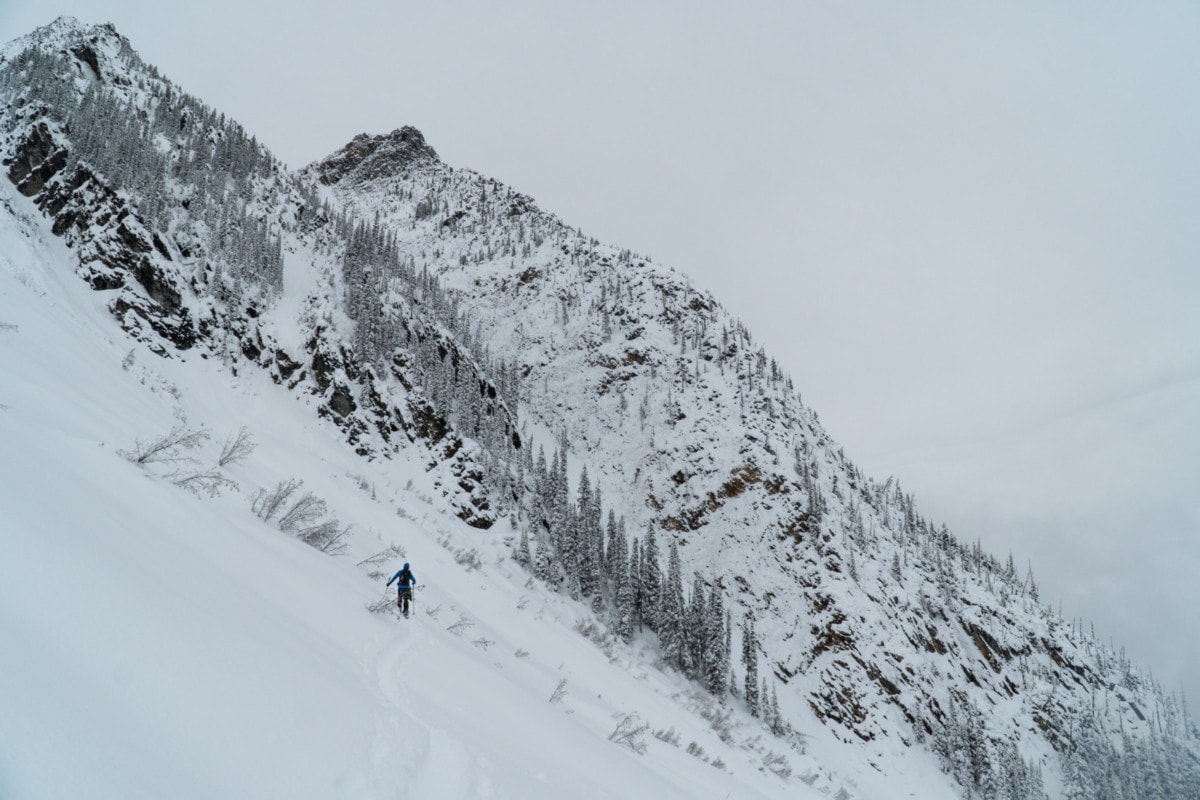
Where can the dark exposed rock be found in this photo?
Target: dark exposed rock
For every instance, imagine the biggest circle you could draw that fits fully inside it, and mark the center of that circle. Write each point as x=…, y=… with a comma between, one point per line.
x=157, y=285
x=86, y=211
x=342, y=402
x=369, y=157
x=321, y=368
x=86, y=54
x=35, y=161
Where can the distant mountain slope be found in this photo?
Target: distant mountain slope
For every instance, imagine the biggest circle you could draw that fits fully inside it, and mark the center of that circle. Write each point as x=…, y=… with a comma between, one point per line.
x=882, y=623
x=435, y=317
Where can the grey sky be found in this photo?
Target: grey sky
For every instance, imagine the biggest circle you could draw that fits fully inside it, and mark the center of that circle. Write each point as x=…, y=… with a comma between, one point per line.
x=970, y=233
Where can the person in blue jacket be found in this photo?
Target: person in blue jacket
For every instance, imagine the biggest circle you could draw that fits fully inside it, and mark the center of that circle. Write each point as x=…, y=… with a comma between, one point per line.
x=404, y=589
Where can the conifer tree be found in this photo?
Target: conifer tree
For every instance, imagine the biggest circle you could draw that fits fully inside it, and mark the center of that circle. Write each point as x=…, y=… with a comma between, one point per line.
x=624, y=596
x=543, y=567
x=586, y=570
x=635, y=582
x=778, y=725
x=750, y=661
x=716, y=661
x=523, y=556
x=671, y=614
x=695, y=632
x=652, y=583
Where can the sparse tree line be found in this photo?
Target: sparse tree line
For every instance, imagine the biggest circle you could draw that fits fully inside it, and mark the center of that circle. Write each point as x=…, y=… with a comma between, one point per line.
x=401, y=312
x=1096, y=765
x=987, y=768
x=1146, y=768
x=191, y=171
x=571, y=545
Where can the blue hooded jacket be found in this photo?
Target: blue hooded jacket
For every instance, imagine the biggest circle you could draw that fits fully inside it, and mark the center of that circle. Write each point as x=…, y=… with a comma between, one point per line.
x=403, y=583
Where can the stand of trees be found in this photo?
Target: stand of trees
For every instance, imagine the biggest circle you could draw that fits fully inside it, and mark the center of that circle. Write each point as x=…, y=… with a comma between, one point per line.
x=575, y=549
x=191, y=172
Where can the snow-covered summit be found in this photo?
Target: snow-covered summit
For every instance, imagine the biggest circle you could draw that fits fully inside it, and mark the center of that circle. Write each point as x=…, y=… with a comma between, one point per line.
x=95, y=47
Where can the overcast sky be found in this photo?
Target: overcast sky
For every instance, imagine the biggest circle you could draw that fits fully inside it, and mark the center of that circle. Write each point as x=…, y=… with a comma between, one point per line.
x=970, y=232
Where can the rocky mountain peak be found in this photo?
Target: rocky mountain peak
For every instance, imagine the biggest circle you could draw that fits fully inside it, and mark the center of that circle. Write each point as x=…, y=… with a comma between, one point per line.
x=368, y=157
x=95, y=49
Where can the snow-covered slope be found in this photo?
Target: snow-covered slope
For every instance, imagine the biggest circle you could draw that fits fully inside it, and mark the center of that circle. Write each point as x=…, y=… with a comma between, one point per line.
x=401, y=336
x=882, y=624
x=162, y=642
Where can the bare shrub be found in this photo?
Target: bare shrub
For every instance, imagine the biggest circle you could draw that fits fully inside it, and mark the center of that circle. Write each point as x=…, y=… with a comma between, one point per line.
x=303, y=513
x=304, y=518
x=362, y=483
x=170, y=447
x=777, y=763
x=694, y=749
x=209, y=482
x=382, y=557
x=468, y=559
x=631, y=732
x=721, y=721
x=463, y=624
x=670, y=736
x=267, y=503
x=328, y=536
x=383, y=605
x=560, y=692
x=237, y=448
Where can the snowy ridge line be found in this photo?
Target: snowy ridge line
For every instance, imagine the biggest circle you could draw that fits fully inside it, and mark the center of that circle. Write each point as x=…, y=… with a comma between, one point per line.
x=198, y=259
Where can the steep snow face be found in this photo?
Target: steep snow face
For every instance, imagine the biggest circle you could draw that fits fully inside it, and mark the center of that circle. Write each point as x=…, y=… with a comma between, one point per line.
x=163, y=642
x=883, y=625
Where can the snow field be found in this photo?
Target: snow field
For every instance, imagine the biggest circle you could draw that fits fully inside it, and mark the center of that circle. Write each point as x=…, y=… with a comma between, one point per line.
x=160, y=643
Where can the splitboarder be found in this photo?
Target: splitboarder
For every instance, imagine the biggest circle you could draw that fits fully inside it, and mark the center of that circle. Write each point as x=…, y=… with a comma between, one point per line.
x=404, y=589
